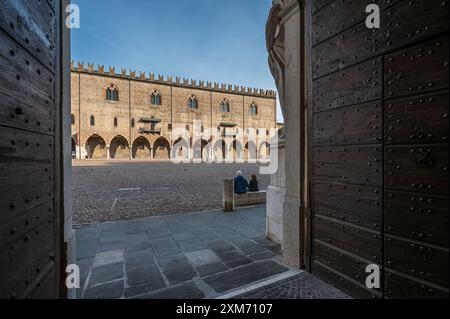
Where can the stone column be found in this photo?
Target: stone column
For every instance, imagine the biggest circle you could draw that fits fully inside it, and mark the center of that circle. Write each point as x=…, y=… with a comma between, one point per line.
x=228, y=195
x=276, y=193
x=107, y=152
x=283, y=34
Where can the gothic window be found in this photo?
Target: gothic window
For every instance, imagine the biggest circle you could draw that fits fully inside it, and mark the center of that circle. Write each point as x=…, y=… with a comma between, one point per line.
x=193, y=102
x=72, y=119
x=253, y=109
x=116, y=122
x=112, y=93
x=225, y=106
x=155, y=98
x=92, y=120
x=187, y=128
x=169, y=127
x=133, y=123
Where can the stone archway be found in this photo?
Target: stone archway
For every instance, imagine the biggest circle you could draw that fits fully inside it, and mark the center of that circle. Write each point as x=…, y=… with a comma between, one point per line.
x=220, y=150
x=161, y=149
x=250, y=152
x=141, y=148
x=96, y=147
x=180, y=149
x=200, y=150
x=119, y=148
x=236, y=150
x=264, y=151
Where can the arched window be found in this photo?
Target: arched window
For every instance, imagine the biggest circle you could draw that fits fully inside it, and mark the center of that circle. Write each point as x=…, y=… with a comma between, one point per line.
x=169, y=127
x=72, y=119
x=133, y=123
x=112, y=93
x=92, y=120
x=253, y=109
x=267, y=132
x=116, y=122
x=193, y=102
x=187, y=128
x=225, y=106
x=155, y=98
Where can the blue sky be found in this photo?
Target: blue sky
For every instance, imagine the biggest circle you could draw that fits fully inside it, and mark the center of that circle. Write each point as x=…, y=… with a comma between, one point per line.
x=213, y=40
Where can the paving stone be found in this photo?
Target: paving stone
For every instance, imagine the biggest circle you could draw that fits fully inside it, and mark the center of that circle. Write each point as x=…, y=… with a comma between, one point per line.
x=104, y=247
x=172, y=261
x=183, y=236
x=302, y=286
x=108, y=257
x=111, y=236
x=210, y=269
x=165, y=246
x=192, y=244
x=86, y=249
x=220, y=245
x=244, y=275
x=138, y=241
x=246, y=245
x=233, y=255
x=187, y=291
x=106, y=273
x=180, y=274
x=157, y=232
x=262, y=255
x=207, y=236
x=144, y=274
x=131, y=292
x=143, y=255
x=85, y=267
x=202, y=257
x=114, y=290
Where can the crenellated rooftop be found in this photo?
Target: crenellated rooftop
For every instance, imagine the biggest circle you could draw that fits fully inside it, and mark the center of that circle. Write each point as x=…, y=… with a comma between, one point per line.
x=169, y=80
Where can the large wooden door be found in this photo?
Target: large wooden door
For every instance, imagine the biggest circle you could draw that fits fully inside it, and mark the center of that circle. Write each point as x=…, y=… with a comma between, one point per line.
x=379, y=146
x=30, y=148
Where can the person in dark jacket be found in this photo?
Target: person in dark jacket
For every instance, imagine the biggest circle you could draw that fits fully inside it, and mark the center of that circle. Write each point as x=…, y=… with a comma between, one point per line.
x=240, y=184
x=253, y=185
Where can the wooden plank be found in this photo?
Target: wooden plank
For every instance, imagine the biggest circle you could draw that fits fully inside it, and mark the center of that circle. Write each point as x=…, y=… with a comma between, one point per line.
x=343, y=283
x=31, y=24
x=417, y=216
x=360, y=124
x=349, y=164
x=356, y=85
x=29, y=82
x=31, y=117
x=418, y=69
x=417, y=259
x=25, y=259
x=26, y=161
x=360, y=43
x=417, y=120
x=356, y=204
x=341, y=15
x=399, y=286
x=356, y=240
x=417, y=168
x=348, y=264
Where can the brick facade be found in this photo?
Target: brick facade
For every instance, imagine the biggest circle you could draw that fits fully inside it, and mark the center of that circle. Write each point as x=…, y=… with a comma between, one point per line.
x=132, y=127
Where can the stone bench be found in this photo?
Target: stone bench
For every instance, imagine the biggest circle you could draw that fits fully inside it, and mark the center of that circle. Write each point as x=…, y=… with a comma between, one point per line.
x=250, y=198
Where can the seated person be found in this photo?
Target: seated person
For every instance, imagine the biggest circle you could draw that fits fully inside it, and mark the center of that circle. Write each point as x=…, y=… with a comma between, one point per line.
x=240, y=184
x=253, y=185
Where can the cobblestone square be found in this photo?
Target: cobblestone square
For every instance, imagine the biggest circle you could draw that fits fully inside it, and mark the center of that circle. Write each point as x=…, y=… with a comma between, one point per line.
x=121, y=190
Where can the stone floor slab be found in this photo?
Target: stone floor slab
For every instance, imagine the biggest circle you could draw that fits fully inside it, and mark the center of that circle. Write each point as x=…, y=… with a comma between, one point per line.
x=187, y=291
x=244, y=275
x=114, y=290
x=106, y=273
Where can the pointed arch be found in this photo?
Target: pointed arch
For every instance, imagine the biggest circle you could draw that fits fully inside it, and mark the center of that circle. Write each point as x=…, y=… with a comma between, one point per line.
x=264, y=151
x=225, y=106
x=155, y=98
x=141, y=148
x=119, y=148
x=220, y=150
x=180, y=149
x=96, y=147
x=161, y=149
x=250, y=152
x=193, y=102
x=201, y=150
x=236, y=150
